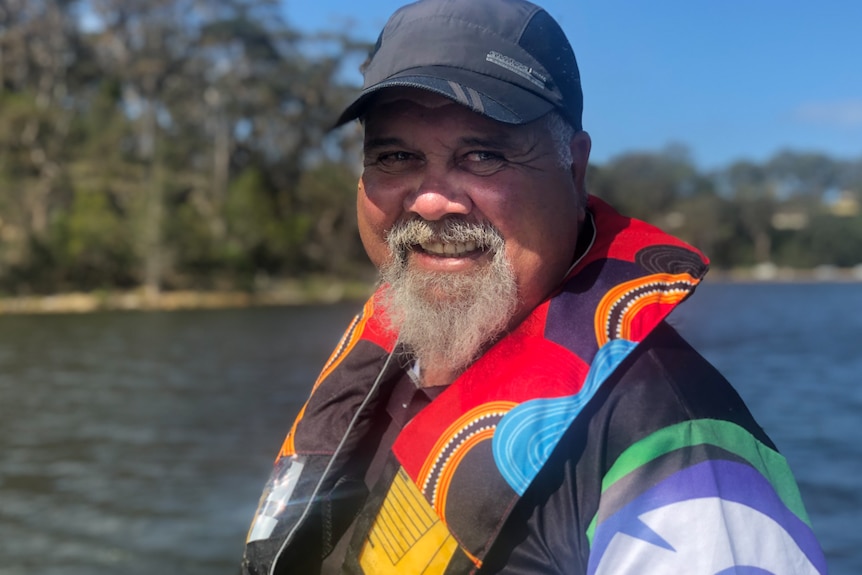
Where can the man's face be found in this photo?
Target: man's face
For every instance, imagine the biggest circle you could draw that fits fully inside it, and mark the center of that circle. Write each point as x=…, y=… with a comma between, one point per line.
x=429, y=159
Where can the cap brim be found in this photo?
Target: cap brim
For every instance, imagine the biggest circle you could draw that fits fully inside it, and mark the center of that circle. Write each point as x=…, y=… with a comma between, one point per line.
x=497, y=99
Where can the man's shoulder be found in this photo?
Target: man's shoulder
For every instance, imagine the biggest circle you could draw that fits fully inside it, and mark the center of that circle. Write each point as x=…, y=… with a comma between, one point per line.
x=665, y=382
x=665, y=355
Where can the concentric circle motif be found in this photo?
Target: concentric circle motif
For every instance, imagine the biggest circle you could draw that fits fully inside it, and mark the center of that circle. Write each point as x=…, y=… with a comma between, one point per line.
x=670, y=259
x=473, y=428
x=618, y=311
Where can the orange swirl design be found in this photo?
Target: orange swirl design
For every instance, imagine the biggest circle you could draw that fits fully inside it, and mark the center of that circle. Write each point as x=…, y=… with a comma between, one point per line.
x=453, y=445
x=620, y=307
x=351, y=336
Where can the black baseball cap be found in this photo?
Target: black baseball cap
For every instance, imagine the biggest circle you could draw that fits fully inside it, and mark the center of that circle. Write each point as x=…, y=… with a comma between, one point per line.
x=506, y=59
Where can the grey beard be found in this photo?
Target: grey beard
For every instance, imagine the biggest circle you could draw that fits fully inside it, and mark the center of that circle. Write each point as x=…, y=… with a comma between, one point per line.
x=446, y=319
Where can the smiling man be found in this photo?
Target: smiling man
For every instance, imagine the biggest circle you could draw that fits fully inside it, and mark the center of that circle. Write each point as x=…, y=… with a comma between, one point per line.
x=472, y=222
x=511, y=399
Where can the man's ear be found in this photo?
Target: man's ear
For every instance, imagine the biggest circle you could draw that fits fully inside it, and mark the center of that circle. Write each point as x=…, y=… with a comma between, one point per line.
x=580, y=147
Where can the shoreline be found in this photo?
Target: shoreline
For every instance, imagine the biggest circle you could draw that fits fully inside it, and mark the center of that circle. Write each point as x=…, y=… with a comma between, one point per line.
x=317, y=291
x=328, y=291
x=770, y=273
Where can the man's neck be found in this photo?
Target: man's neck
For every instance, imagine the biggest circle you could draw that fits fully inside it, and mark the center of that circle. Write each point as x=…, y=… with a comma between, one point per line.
x=434, y=377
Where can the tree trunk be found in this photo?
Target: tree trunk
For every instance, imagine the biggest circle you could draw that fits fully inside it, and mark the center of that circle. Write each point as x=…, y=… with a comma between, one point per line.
x=154, y=209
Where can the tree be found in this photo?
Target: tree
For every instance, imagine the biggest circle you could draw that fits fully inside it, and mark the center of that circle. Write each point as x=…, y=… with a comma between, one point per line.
x=646, y=185
x=755, y=202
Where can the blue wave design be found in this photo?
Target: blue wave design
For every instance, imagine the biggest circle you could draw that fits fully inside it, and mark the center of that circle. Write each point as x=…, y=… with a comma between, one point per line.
x=525, y=437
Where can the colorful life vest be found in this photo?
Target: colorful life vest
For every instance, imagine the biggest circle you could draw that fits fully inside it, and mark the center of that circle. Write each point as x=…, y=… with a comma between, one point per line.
x=466, y=459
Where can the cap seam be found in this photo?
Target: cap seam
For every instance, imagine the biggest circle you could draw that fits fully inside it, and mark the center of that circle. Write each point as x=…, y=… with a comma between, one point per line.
x=527, y=23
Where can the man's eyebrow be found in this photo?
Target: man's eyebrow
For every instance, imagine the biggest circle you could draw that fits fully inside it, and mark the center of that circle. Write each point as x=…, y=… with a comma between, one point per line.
x=373, y=143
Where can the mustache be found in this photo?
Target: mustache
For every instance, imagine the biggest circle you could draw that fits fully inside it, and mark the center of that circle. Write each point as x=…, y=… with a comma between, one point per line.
x=406, y=234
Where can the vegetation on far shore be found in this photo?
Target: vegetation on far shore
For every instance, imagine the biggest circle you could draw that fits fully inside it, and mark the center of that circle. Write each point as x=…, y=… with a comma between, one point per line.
x=316, y=290
x=161, y=154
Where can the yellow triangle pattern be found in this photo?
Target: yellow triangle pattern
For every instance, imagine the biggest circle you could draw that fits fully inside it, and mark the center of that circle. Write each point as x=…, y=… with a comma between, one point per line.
x=407, y=536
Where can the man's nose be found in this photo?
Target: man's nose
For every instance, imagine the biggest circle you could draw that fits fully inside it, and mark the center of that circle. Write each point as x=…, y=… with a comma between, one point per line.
x=436, y=197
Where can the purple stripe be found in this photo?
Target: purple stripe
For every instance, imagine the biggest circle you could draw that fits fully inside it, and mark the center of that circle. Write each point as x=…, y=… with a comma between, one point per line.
x=727, y=480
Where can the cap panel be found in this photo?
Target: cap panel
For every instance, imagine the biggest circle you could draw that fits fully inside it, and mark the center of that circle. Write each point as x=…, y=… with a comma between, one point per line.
x=506, y=17
x=547, y=42
x=459, y=45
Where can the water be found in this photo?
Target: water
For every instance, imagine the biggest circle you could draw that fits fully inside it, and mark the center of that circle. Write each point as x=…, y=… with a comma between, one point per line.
x=139, y=443
x=794, y=352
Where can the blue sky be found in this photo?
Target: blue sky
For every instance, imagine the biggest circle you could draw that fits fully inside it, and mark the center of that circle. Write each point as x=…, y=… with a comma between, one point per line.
x=729, y=79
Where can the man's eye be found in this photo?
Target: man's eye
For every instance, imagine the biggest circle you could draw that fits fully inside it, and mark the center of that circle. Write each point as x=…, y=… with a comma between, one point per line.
x=482, y=156
x=483, y=162
x=394, y=158
x=392, y=162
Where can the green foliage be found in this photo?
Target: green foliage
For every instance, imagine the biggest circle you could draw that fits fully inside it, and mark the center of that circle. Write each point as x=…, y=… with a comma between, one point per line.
x=331, y=244
x=186, y=144
x=746, y=213
x=170, y=144
x=832, y=240
x=647, y=184
x=258, y=239
x=91, y=245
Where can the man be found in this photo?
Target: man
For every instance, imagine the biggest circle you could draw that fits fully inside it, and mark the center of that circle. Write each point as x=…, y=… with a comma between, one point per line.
x=511, y=399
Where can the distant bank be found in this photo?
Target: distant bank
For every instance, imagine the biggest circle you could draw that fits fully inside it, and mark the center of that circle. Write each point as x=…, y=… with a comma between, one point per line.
x=329, y=290
x=318, y=290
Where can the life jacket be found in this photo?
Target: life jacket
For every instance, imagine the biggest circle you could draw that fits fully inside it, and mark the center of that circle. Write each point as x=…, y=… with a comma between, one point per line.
x=466, y=458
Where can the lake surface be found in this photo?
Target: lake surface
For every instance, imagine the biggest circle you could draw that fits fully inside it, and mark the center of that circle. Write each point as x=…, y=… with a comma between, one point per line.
x=138, y=443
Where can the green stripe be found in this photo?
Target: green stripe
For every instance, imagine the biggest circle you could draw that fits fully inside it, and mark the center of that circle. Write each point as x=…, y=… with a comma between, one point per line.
x=724, y=434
